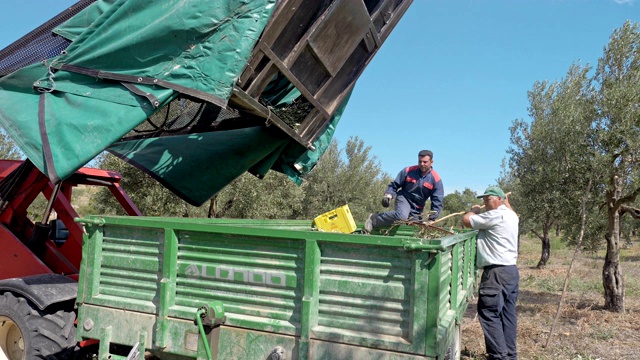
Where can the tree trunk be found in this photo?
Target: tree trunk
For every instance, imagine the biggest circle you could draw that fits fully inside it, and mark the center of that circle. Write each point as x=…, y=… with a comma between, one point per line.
x=612, y=278
x=546, y=245
x=212, y=207
x=546, y=251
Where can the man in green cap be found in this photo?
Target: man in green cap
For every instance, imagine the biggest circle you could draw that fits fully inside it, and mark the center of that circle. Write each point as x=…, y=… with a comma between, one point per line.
x=497, y=255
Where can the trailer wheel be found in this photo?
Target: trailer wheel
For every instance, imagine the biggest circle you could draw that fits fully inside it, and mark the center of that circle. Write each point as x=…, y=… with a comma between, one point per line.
x=455, y=349
x=27, y=333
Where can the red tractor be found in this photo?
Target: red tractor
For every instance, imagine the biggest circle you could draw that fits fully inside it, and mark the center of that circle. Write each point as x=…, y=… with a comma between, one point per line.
x=40, y=260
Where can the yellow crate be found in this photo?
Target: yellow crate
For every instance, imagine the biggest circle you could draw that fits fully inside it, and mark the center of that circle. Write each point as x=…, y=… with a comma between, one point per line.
x=337, y=220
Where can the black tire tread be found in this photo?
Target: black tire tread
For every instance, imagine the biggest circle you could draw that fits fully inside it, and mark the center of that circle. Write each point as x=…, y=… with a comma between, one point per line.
x=51, y=335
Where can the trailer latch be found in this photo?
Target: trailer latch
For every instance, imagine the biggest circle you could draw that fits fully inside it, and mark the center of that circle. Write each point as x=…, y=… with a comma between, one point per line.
x=419, y=246
x=278, y=353
x=98, y=222
x=209, y=317
x=212, y=314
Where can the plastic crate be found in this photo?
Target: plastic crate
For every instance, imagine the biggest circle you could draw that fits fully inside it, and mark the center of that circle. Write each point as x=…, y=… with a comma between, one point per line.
x=337, y=220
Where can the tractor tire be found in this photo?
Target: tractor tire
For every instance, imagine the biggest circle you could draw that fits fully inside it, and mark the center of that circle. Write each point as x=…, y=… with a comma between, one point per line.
x=26, y=333
x=455, y=350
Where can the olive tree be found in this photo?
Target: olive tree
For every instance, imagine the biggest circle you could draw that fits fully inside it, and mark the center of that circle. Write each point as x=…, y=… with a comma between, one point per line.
x=272, y=197
x=586, y=129
x=548, y=153
x=617, y=138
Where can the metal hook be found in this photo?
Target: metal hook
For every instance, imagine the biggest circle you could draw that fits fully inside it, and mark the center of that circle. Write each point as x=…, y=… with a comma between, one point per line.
x=268, y=120
x=53, y=83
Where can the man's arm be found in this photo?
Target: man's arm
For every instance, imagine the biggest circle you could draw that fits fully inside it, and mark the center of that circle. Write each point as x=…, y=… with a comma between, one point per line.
x=466, y=219
x=396, y=184
x=436, y=200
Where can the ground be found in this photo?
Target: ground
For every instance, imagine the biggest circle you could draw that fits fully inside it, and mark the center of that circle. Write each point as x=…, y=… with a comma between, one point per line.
x=584, y=330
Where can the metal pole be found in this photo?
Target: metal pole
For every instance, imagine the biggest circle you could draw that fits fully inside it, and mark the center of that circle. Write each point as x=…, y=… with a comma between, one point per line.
x=47, y=210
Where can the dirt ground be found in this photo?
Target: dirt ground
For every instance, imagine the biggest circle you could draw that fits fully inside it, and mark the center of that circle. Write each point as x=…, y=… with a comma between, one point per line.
x=584, y=330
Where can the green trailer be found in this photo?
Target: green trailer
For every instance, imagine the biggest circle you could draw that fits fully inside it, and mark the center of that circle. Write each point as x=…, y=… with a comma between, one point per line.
x=270, y=289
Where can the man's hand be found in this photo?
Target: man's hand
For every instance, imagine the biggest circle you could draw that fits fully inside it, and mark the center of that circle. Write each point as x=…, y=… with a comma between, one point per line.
x=386, y=200
x=466, y=219
x=476, y=209
x=506, y=200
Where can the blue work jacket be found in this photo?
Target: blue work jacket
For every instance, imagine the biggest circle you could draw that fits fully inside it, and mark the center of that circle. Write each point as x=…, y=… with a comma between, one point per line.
x=416, y=188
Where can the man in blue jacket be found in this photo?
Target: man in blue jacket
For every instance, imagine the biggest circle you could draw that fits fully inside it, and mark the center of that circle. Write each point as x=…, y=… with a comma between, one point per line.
x=411, y=189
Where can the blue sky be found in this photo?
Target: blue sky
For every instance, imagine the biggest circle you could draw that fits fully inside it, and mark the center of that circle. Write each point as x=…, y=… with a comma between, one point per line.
x=451, y=78
x=454, y=75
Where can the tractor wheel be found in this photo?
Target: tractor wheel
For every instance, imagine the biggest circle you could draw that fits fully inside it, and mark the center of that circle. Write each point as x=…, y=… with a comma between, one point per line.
x=27, y=333
x=455, y=349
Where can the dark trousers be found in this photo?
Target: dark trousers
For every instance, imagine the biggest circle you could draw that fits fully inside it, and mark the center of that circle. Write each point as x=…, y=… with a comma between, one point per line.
x=497, y=298
x=403, y=211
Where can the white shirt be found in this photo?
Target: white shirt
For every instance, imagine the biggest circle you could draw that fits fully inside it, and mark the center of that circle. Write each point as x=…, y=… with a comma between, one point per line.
x=497, y=236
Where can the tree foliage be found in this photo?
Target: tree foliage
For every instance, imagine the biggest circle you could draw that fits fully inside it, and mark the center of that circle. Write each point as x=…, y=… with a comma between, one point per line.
x=8, y=148
x=355, y=179
x=247, y=197
x=456, y=202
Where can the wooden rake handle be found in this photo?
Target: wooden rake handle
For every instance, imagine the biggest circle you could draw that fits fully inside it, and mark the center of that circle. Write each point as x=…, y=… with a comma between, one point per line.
x=459, y=213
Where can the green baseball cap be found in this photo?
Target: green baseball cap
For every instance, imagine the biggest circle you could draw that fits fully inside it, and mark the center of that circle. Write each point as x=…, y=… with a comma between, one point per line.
x=492, y=190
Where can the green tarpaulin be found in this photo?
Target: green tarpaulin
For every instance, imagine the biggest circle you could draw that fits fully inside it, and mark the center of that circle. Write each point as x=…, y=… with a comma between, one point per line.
x=196, y=166
x=129, y=58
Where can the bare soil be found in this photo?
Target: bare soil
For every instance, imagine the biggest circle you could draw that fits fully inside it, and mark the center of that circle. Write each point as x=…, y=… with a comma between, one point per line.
x=584, y=330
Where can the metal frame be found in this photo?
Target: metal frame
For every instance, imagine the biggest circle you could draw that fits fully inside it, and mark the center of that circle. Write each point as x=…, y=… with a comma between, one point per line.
x=323, y=58
x=16, y=227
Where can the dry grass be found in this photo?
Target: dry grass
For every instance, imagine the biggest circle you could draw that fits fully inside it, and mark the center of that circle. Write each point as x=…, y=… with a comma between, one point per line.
x=584, y=329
